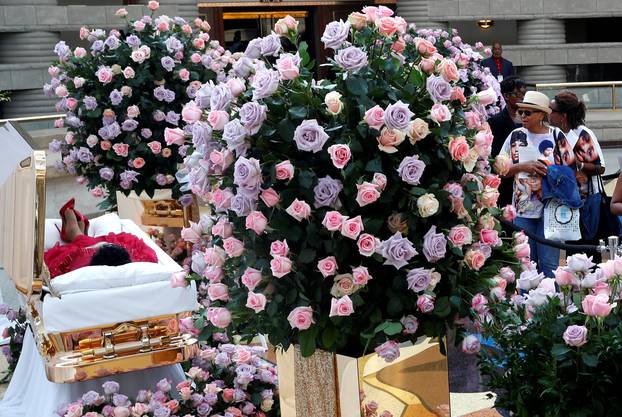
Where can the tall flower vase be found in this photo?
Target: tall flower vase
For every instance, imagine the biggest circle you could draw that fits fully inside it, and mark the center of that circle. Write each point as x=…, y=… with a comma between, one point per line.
x=415, y=384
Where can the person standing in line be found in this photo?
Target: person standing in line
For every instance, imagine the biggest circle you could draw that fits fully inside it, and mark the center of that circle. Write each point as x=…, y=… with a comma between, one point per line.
x=499, y=66
x=528, y=167
x=503, y=123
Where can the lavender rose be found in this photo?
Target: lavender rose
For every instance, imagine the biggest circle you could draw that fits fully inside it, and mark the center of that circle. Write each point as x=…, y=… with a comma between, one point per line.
x=310, y=136
x=90, y=103
x=220, y=97
x=247, y=173
x=252, y=115
x=116, y=97
x=575, y=336
x=110, y=387
x=397, y=250
x=410, y=169
x=201, y=134
x=129, y=125
x=397, y=116
x=438, y=88
x=265, y=83
x=389, y=351
x=271, y=45
x=234, y=134
x=106, y=173
x=434, y=245
x=418, y=279
x=167, y=63
x=351, y=58
x=327, y=193
x=243, y=204
x=336, y=34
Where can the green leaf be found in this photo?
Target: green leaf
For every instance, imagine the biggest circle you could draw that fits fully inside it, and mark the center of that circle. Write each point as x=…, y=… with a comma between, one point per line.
x=442, y=307
x=306, y=256
x=357, y=86
x=393, y=328
x=298, y=112
x=590, y=360
x=306, y=179
x=559, y=350
x=375, y=165
x=329, y=336
x=307, y=341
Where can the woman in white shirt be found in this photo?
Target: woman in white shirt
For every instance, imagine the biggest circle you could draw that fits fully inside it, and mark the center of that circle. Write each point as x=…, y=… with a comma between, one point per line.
x=529, y=164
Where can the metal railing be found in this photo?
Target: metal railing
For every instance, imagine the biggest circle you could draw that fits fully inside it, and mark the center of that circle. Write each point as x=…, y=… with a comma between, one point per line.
x=598, y=95
x=31, y=123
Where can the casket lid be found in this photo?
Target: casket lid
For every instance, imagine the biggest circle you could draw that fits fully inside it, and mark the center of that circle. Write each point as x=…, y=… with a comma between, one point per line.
x=22, y=207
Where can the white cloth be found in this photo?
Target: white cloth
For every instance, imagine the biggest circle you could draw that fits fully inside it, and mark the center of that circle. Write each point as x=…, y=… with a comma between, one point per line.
x=30, y=394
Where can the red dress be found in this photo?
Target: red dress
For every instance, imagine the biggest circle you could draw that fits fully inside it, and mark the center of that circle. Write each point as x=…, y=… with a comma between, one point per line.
x=70, y=256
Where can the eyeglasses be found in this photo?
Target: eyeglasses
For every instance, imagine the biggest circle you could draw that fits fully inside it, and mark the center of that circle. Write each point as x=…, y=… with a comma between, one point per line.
x=526, y=113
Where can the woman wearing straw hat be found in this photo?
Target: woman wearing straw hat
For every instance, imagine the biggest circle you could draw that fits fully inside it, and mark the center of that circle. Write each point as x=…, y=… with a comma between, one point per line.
x=528, y=167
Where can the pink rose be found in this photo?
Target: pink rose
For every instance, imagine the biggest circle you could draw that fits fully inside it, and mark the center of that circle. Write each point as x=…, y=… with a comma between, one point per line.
x=190, y=234
x=139, y=26
x=138, y=163
x=374, y=117
x=221, y=199
x=71, y=103
x=218, y=119
x=489, y=237
x=470, y=344
x=174, y=136
x=389, y=139
x=352, y=228
x=236, y=86
x=458, y=148
x=269, y=197
x=487, y=96
x=279, y=248
x=221, y=159
x=507, y=274
x=386, y=26
x=440, y=113
x=184, y=74
x=357, y=20
x=367, y=244
x=251, y=278
x=287, y=66
x=341, y=307
x=428, y=65
x=472, y=120
x=256, y=302
x=327, y=266
x=596, y=305
x=522, y=250
x=502, y=164
x=380, y=181
x=333, y=220
x=460, y=236
x=475, y=259
x=133, y=111
x=163, y=26
x=367, y=193
x=155, y=146
x=425, y=303
x=97, y=192
x=284, y=170
x=104, y=75
x=195, y=58
x=218, y=292
x=479, y=303
x=424, y=47
x=399, y=45
x=78, y=82
x=360, y=275
x=257, y=222
x=121, y=411
x=191, y=113
x=233, y=247
x=299, y=210
x=301, y=318
x=457, y=93
x=340, y=155
x=105, y=145
x=280, y=266
x=84, y=32
x=61, y=91
x=128, y=72
x=284, y=25
x=121, y=149
x=219, y=316
x=79, y=52
x=215, y=255
x=509, y=212
x=448, y=70
x=222, y=228
x=153, y=5
x=492, y=181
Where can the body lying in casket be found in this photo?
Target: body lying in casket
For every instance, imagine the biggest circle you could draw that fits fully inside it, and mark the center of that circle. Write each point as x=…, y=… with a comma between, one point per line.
x=93, y=321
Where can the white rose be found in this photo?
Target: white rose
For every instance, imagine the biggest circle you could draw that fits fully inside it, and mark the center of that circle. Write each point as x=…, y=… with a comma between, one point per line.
x=333, y=102
x=427, y=205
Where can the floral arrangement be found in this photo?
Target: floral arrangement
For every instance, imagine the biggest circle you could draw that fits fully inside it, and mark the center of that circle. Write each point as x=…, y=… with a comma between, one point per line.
x=15, y=332
x=557, y=342
x=123, y=100
x=228, y=381
x=349, y=213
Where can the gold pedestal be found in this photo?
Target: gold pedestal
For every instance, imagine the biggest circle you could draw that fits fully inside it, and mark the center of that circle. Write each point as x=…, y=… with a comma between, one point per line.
x=328, y=385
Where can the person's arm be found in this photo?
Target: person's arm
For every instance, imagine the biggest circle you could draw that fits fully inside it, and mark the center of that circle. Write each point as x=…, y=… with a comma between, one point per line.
x=616, y=200
x=530, y=167
x=590, y=169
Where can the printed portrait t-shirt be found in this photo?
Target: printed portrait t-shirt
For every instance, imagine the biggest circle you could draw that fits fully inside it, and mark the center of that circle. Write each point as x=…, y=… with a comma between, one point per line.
x=523, y=146
x=576, y=146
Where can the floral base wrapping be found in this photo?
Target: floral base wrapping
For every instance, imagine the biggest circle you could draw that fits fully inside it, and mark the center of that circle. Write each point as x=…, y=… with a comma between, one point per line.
x=15, y=332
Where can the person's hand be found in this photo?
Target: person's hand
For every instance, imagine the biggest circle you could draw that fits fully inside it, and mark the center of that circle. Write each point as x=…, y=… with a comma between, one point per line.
x=534, y=168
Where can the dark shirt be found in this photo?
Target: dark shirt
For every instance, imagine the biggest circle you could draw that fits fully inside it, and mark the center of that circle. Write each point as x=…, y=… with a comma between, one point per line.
x=507, y=68
x=501, y=125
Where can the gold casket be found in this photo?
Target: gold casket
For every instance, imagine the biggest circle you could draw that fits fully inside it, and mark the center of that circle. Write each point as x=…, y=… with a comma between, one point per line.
x=94, y=321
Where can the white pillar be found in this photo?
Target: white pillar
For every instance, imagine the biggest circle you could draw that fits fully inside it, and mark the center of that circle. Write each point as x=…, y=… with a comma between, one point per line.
x=541, y=33
x=416, y=11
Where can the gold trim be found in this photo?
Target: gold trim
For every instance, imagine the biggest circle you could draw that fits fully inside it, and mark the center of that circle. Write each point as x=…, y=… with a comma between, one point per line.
x=40, y=170
x=284, y=4
x=264, y=15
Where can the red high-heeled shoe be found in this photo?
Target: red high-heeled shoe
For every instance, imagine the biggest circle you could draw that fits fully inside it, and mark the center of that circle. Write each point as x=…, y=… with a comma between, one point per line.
x=83, y=218
x=67, y=206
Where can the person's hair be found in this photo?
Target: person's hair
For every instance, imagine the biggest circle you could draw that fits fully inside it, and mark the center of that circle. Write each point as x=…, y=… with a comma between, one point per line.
x=511, y=83
x=574, y=109
x=111, y=255
x=544, y=145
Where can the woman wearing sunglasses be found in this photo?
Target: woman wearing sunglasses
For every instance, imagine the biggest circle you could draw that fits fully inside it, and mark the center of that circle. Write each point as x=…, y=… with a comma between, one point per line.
x=529, y=165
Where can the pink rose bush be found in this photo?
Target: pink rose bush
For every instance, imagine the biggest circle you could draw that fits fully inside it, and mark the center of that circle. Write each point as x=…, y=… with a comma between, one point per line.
x=570, y=322
x=339, y=190
x=124, y=96
x=228, y=380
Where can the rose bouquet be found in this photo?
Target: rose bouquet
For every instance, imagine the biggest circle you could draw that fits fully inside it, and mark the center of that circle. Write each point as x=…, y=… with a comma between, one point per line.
x=222, y=382
x=123, y=99
x=15, y=332
x=349, y=213
x=558, y=345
